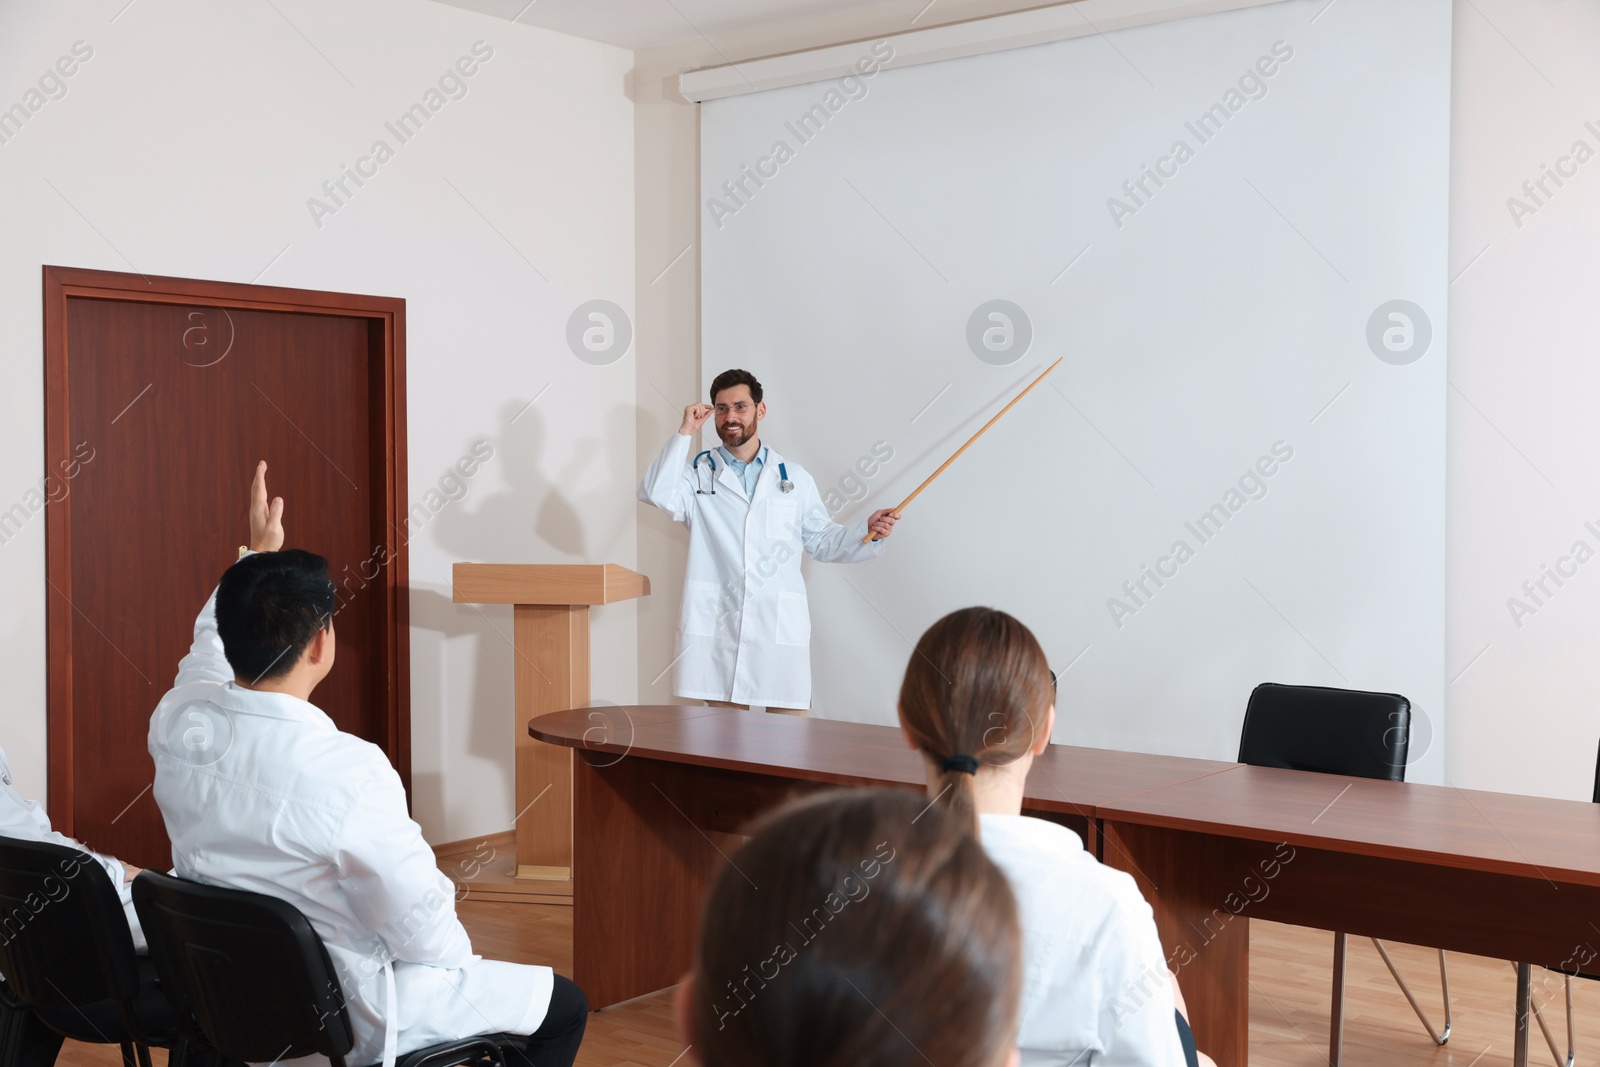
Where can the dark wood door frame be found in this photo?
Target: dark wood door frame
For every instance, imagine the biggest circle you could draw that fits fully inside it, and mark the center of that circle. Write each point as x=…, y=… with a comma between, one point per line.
x=388, y=317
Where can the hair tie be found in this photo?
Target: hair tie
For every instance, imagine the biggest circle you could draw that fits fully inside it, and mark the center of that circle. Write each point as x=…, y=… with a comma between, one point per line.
x=964, y=764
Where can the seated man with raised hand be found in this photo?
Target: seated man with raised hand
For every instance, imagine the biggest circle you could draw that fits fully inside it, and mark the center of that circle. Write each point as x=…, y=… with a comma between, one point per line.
x=261, y=791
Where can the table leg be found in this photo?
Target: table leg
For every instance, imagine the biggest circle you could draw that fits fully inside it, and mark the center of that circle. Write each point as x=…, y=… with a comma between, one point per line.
x=1206, y=939
x=1519, y=1045
x=640, y=874
x=1341, y=944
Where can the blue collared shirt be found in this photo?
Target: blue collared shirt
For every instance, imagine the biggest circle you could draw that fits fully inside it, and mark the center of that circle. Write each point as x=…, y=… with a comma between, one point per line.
x=747, y=472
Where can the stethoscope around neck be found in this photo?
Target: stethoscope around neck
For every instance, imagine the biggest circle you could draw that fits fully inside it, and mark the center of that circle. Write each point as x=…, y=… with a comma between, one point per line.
x=701, y=484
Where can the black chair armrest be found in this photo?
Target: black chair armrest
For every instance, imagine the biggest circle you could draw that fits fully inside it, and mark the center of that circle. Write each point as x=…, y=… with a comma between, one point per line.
x=8, y=999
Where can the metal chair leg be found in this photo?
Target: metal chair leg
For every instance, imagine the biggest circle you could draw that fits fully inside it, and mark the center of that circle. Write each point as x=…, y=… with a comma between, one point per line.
x=1439, y=1037
x=1336, y=1019
x=1572, y=1027
x=1519, y=1045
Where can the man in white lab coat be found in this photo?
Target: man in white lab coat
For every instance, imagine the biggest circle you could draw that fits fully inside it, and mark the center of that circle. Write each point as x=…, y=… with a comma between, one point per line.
x=744, y=634
x=25, y=820
x=260, y=791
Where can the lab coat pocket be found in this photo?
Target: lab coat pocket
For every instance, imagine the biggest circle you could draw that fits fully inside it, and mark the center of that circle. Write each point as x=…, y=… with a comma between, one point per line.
x=700, y=608
x=794, y=620
x=782, y=520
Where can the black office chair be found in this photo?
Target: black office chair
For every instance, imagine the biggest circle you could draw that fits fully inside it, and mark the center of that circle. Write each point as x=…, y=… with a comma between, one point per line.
x=68, y=957
x=252, y=981
x=1337, y=731
x=1526, y=1004
x=24, y=1040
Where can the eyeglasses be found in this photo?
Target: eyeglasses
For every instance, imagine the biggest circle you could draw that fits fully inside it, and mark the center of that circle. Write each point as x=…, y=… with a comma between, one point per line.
x=1053, y=688
x=739, y=409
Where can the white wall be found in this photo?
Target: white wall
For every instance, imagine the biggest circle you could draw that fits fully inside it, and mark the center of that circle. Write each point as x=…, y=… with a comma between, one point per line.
x=1524, y=699
x=667, y=254
x=189, y=143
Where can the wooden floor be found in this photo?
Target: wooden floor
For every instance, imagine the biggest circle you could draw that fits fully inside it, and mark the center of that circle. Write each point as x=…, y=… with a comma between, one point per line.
x=1290, y=970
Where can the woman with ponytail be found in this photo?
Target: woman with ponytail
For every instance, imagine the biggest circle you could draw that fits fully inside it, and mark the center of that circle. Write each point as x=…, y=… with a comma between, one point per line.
x=978, y=702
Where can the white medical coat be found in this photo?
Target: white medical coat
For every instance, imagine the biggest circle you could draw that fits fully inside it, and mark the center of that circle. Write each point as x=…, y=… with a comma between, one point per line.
x=261, y=791
x=26, y=821
x=1095, y=985
x=744, y=633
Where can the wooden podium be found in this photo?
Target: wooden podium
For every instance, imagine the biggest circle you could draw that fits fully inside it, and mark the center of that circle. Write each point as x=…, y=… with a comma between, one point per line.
x=551, y=638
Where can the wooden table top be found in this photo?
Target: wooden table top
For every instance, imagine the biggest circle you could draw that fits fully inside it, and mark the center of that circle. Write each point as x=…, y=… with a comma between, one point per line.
x=1066, y=778
x=1442, y=825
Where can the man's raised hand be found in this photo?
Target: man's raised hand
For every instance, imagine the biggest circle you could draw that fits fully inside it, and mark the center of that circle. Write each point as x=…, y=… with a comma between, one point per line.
x=266, y=520
x=694, y=417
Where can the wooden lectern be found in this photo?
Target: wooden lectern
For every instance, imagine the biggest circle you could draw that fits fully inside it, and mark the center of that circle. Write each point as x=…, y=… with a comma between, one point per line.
x=551, y=638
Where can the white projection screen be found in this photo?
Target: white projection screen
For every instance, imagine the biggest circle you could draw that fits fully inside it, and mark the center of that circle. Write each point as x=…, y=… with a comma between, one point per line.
x=1234, y=229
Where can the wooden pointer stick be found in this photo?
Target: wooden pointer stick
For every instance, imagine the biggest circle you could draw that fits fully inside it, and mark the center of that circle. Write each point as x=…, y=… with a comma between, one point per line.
x=869, y=538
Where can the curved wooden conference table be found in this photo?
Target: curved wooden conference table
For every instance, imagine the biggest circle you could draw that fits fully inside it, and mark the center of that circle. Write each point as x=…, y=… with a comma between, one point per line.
x=1210, y=844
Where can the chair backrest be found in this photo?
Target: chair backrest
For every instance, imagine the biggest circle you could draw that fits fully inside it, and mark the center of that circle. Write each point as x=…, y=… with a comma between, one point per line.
x=1597, y=779
x=64, y=938
x=247, y=974
x=1334, y=731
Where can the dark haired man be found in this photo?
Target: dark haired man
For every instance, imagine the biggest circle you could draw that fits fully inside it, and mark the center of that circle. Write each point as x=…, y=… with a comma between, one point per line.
x=744, y=635
x=261, y=791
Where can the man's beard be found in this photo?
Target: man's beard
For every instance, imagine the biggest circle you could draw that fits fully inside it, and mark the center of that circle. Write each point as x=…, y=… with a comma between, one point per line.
x=736, y=442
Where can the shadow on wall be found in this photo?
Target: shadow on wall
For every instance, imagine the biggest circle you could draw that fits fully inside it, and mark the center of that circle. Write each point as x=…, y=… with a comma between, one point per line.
x=663, y=555
x=532, y=518
x=478, y=690
x=534, y=513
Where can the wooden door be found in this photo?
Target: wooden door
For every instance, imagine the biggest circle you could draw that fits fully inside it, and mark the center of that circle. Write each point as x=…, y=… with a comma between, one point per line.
x=161, y=394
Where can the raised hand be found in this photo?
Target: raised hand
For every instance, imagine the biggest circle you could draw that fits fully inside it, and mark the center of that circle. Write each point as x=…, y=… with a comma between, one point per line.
x=266, y=520
x=881, y=524
x=694, y=417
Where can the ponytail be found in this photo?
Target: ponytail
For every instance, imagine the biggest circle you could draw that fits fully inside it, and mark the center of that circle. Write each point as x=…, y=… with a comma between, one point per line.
x=959, y=779
x=976, y=693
